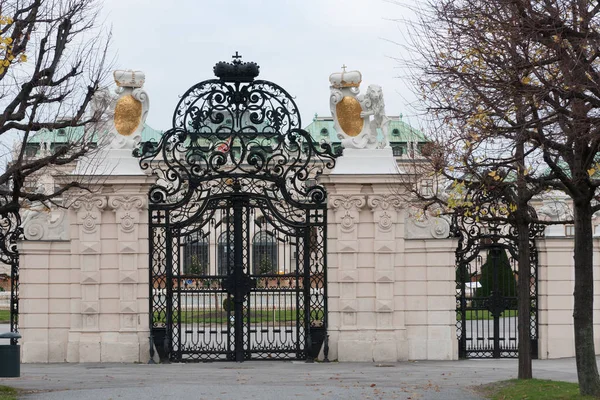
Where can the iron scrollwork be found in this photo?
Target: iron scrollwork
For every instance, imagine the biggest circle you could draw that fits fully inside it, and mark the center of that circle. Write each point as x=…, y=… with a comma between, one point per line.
x=236, y=126
x=237, y=161
x=10, y=232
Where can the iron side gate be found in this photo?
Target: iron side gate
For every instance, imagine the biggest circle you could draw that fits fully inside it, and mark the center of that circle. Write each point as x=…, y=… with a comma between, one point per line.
x=486, y=294
x=237, y=225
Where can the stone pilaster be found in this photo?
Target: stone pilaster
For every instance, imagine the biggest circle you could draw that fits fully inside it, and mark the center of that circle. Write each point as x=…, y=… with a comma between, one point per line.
x=343, y=268
x=390, y=342
x=86, y=250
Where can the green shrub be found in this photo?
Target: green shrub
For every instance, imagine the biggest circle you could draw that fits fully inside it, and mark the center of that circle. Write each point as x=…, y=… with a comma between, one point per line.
x=228, y=304
x=507, y=284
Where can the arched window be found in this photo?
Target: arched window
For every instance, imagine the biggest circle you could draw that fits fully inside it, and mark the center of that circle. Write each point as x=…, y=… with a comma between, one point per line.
x=225, y=254
x=264, y=253
x=195, y=255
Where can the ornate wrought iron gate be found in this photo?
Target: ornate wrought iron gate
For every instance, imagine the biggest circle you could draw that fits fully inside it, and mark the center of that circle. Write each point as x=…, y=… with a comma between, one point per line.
x=486, y=284
x=237, y=224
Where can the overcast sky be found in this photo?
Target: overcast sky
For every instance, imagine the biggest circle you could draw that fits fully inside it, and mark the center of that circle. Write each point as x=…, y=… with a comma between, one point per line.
x=297, y=43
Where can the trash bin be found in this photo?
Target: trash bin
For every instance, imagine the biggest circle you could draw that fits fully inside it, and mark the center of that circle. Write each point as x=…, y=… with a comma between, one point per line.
x=10, y=354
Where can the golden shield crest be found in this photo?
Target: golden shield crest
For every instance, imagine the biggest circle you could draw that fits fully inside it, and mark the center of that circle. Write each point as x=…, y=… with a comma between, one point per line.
x=128, y=114
x=348, y=114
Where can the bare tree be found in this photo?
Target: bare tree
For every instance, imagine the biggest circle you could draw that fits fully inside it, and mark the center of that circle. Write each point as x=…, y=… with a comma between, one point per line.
x=513, y=84
x=52, y=64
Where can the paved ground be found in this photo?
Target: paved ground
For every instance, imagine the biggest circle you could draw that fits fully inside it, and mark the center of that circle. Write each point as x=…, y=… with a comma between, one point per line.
x=274, y=380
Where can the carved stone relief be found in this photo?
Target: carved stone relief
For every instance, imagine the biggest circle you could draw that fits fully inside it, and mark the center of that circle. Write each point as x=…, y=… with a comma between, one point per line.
x=127, y=209
x=422, y=225
x=89, y=211
x=384, y=209
x=347, y=210
x=45, y=224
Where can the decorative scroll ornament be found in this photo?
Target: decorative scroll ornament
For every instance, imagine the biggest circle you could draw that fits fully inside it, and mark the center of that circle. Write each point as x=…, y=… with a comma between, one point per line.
x=42, y=224
x=127, y=209
x=486, y=217
x=347, y=202
x=236, y=134
x=555, y=210
x=10, y=231
x=89, y=214
x=352, y=113
x=384, y=208
x=127, y=202
x=378, y=202
x=423, y=225
x=350, y=206
x=131, y=109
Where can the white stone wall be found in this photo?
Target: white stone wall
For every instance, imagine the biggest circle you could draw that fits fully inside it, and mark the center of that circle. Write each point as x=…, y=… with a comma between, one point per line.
x=390, y=299
x=430, y=299
x=85, y=298
x=556, y=277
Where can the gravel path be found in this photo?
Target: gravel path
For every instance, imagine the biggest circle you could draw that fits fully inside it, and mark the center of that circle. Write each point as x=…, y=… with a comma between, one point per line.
x=274, y=380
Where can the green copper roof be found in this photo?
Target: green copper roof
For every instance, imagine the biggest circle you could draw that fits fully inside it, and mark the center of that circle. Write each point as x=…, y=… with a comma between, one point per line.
x=63, y=135
x=72, y=134
x=150, y=134
x=323, y=128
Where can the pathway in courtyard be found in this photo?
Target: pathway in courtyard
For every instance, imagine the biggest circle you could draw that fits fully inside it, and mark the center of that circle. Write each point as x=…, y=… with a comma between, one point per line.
x=274, y=380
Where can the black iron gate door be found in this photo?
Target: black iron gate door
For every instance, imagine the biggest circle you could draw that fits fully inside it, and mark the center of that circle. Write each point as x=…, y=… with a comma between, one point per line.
x=237, y=225
x=488, y=304
x=486, y=282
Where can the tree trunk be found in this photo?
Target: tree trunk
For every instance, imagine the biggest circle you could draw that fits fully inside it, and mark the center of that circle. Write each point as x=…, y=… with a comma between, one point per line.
x=583, y=310
x=524, y=283
x=523, y=299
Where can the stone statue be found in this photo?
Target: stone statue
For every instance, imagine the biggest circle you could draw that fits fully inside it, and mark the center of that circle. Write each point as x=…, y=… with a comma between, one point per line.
x=352, y=113
x=131, y=109
x=374, y=105
x=114, y=153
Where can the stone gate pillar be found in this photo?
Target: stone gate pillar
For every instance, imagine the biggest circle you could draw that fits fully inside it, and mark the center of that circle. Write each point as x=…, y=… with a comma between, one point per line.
x=391, y=289
x=85, y=281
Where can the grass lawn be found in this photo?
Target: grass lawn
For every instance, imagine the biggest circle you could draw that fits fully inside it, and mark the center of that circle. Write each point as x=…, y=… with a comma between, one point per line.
x=531, y=389
x=4, y=316
x=221, y=317
x=8, y=393
x=485, y=314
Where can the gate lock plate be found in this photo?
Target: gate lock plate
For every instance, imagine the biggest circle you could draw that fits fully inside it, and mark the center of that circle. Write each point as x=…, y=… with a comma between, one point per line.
x=238, y=285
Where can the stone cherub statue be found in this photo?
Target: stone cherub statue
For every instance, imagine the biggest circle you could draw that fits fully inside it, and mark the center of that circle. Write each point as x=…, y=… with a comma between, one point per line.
x=352, y=113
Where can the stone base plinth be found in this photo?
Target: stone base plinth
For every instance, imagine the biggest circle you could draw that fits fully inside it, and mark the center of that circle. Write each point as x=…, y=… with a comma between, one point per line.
x=363, y=161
